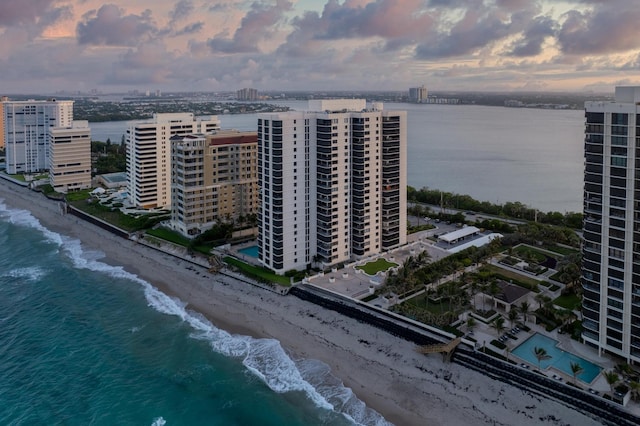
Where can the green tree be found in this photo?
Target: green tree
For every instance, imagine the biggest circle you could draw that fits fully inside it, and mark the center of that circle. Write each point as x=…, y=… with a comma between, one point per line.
x=471, y=323
x=524, y=310
x=513, y=316
x=541, y=355
x=498, y=324
x=634, y=387
x=612, y=379
x=576, y=370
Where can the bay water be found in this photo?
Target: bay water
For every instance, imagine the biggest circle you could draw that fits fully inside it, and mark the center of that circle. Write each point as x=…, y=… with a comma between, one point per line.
x=495, y=154
x=86, y=343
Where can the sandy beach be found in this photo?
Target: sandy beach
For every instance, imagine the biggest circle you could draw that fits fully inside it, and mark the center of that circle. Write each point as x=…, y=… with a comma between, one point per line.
x=384, y=371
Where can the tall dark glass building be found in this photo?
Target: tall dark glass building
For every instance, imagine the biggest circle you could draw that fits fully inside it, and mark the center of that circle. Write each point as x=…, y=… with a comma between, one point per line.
x=611, y=249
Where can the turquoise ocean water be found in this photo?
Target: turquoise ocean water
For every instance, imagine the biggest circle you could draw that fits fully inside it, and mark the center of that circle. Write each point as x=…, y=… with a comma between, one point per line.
x=82, y=342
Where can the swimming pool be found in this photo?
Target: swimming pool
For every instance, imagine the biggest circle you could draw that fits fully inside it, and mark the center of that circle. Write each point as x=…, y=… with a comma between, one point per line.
x=250, y=251
x=560, y=359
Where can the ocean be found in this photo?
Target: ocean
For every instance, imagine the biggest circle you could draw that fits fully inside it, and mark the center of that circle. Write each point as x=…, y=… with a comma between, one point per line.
x=83, y=342
x=495, y=154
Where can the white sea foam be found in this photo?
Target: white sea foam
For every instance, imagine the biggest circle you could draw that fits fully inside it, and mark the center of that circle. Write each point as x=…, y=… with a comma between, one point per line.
x=263, y=357
x=159, y=421
x=32, y=273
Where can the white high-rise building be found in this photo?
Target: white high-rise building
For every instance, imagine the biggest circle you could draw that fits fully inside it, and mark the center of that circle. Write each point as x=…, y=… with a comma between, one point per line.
x=611, y=248
x=332, y=183
x=26, y=132
x=418, y=94
x=70, y=157
x=149, y=155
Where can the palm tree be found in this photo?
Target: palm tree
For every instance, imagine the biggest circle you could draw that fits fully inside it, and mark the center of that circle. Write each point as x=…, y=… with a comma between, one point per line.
x=576, y=370
x=541, y=355
x=513, y=316
x=471, y=323
x=634, y=387
x=473, y=287
x=612, y=378
x=524, y=309
x=493, y=291
x=498, y=324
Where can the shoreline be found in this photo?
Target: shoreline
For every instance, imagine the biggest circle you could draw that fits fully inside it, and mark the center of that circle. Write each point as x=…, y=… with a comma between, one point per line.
x=383, y=371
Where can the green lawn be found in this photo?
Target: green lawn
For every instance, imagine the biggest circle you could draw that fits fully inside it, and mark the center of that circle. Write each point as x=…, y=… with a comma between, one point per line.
x=433, y=307
x=169, y=235
x=372, y=268
x=567, y=301
x=117, y=218
x=257, y=272
x=79, y=195
x=517, y=279
x=18, y=177
x=525, y=252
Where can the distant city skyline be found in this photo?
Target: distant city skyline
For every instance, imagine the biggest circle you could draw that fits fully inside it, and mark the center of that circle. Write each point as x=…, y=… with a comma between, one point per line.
x=195, y=45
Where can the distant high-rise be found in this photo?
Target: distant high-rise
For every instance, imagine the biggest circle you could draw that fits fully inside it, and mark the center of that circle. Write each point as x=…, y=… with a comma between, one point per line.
x=149, y=155
x=247, y=94
x=26, y=132
x=418, y=94
x=2, y=123
x=70, y=157
x=332, y=183
x=611, y=248
x=214, y=178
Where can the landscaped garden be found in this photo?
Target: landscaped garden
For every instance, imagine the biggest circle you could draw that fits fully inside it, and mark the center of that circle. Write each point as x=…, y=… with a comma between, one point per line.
x=380, y=264
x=257, y=272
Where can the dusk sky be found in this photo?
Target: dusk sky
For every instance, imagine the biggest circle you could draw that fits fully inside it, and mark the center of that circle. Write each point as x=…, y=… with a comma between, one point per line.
x=224, y=45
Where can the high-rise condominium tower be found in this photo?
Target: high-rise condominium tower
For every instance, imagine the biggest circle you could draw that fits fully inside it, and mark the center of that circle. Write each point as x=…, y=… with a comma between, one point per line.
x=213, y=179
x=26, y=132
x=611, y=250
x=332, y=183
x=418, y=94
x=149, y=155
x=70, y=157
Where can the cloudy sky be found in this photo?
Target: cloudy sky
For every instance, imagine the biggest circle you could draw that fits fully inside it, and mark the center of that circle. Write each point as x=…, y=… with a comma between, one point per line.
x=219, y=45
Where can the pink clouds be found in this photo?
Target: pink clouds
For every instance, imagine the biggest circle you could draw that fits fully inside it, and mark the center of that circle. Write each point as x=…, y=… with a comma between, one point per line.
x=111, y=27
x=393, y=42
x=23, y=11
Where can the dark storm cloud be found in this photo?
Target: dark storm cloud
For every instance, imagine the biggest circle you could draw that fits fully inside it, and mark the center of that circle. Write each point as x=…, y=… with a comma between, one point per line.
x=110, y=26
x=608, y=28
x=531, y=43
x=257, y=25
x=476, y=30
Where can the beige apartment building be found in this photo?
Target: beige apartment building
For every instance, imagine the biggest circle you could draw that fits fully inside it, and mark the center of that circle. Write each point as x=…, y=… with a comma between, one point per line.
x=149, y=155
x=70, y=157
x=213, y=178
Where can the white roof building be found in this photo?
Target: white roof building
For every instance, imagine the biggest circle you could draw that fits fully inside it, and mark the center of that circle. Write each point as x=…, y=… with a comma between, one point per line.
x=459, y=234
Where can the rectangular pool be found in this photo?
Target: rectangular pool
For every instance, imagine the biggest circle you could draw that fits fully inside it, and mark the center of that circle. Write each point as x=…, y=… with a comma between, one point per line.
x=250, y=251
x=560, y=359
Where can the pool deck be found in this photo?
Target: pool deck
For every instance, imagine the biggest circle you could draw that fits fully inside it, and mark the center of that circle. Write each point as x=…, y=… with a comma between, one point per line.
x=484, y=334
x=352, y=282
